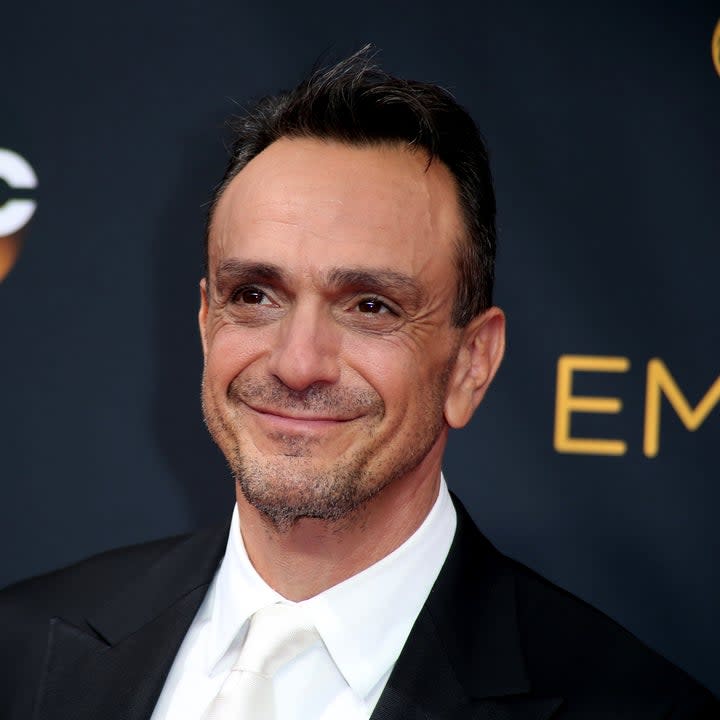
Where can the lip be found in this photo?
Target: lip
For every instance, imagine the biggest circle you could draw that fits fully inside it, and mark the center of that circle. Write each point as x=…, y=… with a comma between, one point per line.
x=283, y=421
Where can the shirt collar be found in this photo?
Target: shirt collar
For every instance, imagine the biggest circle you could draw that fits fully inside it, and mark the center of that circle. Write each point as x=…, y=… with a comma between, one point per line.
x=238, y=592
x=363, y=621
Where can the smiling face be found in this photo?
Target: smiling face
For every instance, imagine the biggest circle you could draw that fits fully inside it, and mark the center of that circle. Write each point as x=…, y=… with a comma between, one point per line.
x=330, y=357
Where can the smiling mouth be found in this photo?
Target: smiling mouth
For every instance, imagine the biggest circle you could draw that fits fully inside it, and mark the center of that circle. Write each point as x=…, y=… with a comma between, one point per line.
x=298, y=422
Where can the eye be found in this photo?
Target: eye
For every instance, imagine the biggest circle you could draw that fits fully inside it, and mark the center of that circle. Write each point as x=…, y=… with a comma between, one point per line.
x=249, y=296
x=372, y=306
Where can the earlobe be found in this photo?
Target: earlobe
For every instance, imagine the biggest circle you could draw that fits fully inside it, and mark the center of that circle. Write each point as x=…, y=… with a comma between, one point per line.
x=479, y=357
x=202, y=314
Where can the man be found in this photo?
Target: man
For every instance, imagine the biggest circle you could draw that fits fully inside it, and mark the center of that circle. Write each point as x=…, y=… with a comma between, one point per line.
x=347, y=324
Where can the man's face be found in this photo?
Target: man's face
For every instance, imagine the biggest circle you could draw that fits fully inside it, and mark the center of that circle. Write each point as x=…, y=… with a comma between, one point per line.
x=326, y=324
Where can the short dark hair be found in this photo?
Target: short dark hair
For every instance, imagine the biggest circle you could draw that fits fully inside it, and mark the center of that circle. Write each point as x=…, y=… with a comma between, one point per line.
x=357, y=103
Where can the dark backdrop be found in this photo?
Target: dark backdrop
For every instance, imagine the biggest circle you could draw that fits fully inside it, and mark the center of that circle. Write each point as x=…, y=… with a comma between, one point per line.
x=603, y=128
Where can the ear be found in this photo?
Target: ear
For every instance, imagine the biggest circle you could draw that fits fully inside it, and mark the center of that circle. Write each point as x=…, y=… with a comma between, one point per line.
x=481, y=350
x=202, y=314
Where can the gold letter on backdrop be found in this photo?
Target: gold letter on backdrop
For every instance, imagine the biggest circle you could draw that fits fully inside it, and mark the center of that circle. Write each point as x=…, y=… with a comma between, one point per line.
x=660, y=379
x=566, y=403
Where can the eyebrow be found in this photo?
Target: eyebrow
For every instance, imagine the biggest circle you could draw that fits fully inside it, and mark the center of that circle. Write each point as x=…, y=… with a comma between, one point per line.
x=235, y=272
x=380, y=280
x=232, y=272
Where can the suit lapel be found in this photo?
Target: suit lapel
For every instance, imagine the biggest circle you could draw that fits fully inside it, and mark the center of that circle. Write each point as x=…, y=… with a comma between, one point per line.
x=464, y=659
x=116, y=665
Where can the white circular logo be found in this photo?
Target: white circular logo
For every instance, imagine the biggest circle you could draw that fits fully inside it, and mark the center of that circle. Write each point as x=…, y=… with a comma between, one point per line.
x=16, y=178
x=19, y=175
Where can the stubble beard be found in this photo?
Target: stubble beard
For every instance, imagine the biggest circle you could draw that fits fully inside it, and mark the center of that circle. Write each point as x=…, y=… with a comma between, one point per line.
x=291, y=486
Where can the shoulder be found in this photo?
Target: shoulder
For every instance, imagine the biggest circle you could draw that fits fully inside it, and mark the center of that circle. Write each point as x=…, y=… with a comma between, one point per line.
x=571, y=645
x=27, y=607
x=73, y=590
x=559, y=645
x=115, y=591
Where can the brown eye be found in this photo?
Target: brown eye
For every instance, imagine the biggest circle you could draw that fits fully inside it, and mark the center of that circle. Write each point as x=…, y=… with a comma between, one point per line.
x=250, y=296
x=371, y=305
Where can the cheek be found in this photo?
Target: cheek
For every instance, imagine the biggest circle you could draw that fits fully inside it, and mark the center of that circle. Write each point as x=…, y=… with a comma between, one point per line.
x=230, y=351
x=411, y=382
x=394, y=370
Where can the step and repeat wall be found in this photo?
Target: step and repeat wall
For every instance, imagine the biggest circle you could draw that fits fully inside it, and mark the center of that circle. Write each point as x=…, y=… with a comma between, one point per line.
x=594, y=458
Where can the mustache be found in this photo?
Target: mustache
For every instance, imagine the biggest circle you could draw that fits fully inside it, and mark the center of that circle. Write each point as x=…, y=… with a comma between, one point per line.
x=272, y=393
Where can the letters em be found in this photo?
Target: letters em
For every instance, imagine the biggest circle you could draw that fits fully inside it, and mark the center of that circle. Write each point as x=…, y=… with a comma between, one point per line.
x=659, y=383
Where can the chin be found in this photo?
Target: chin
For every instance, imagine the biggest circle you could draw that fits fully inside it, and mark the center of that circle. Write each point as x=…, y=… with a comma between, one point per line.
x=285, y=491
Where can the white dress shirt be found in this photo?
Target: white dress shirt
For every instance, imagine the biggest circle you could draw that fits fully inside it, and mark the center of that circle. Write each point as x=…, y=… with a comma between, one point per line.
x=363, y=624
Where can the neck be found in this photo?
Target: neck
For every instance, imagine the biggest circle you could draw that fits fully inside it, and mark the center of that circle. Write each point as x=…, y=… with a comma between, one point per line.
x=314, y=555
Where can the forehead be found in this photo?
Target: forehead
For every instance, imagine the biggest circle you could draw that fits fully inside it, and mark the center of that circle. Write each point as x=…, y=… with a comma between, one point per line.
x=325, y=203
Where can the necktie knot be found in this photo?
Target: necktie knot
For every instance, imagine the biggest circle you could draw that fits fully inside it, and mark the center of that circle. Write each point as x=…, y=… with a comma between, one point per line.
x=277, y=634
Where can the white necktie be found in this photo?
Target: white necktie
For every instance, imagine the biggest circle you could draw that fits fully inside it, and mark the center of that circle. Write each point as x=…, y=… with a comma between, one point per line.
x=277, y=634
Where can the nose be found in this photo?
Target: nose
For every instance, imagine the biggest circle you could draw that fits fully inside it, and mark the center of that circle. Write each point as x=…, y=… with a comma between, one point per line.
x=305, y=348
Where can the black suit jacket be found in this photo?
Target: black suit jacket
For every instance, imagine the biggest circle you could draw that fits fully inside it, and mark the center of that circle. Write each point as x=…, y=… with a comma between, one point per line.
x=493, y=642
